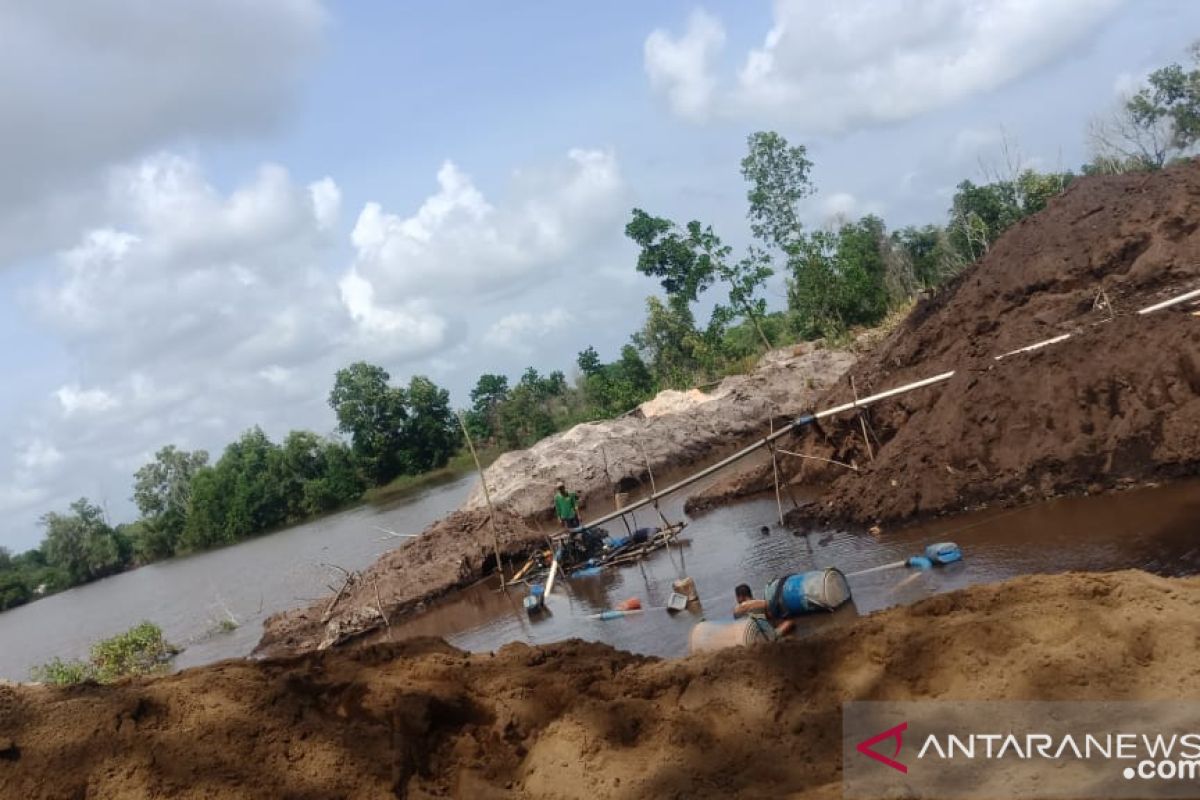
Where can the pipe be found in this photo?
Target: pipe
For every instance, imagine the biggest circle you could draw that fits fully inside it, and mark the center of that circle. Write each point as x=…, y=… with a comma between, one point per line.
x=550, y=579
x=1036, y=346
x=1167, y=303
x=745, y=451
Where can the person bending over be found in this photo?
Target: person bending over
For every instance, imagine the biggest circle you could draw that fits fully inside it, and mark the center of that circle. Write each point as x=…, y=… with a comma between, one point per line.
x=747, y=606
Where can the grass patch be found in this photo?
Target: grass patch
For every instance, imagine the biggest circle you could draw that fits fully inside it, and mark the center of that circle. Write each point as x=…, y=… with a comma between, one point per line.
x=141, y=650
x=407, y=485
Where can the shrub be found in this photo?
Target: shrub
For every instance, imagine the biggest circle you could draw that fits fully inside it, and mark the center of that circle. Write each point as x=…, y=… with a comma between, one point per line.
x=141, y=650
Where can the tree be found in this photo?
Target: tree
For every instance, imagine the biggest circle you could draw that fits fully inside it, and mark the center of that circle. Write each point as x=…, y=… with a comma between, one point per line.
x=431, y=432
x=82, y=544
x=669, y=340
x=778, y=175
x=684, y=261
x=490, y=392
x=746, y=279
x=373, y=414
x=981, y=213
x=162, y=491
x=1158, y=123
x=839, y=278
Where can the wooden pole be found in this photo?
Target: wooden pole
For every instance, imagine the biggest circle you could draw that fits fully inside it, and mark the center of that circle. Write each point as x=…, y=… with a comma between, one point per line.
x=487, y=496
x=862, y=422
x=617, y=504
x=775, y=469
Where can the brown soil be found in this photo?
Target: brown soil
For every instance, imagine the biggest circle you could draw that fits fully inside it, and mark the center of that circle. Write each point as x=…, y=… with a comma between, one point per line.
x=577, y=720
x=451, y=553
x=1117, y=404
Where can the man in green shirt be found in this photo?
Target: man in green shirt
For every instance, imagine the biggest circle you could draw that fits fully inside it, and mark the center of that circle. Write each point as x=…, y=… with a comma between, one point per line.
x=566, y=507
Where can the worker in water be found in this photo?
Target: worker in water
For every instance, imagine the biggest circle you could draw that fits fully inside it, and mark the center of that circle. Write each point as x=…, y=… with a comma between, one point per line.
x=566, y=507
x=747, y=606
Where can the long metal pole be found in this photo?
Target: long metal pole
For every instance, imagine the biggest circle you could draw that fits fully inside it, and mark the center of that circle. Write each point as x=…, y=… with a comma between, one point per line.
x=745, y=451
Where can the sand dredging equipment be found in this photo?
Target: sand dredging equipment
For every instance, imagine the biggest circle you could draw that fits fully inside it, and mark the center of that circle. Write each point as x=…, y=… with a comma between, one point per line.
x=804, y=594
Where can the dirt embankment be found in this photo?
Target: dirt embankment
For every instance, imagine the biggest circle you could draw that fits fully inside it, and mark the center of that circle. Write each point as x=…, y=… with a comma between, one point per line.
x=578, y=720
x=1116, y=404
x=676, y=429
x=451, y=553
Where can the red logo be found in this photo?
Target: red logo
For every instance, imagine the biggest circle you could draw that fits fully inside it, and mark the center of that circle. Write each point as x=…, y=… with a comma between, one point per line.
x=896, y=733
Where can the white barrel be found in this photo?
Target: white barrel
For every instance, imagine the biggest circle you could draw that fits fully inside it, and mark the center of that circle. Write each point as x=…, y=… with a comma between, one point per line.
x=708, y=636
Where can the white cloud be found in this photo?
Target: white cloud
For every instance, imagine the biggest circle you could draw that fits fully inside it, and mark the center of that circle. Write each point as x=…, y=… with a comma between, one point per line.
x=458, y=242
x=84, y=401
x=88, y=85
x=680, y=67
x=519, y=332
x=38, y=456
x=829, y=65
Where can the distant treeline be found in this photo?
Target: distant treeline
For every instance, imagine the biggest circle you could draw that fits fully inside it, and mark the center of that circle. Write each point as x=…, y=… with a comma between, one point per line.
x=852, y=273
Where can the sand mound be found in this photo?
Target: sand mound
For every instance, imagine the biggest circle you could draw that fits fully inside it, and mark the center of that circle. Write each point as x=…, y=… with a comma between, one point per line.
x=1118, y=403
x=671, y=401
x=597, y=457
x=451, y=553
x=578, y=720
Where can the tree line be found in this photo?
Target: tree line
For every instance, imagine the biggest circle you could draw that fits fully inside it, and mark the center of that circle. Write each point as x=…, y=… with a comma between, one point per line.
x=849, y=274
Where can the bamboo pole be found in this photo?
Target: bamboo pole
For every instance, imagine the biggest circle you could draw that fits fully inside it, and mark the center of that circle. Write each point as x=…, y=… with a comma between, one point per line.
x=862, y=422
x=487, y=496
x=1035, y=346
x=1168, y=303
x=775, y=470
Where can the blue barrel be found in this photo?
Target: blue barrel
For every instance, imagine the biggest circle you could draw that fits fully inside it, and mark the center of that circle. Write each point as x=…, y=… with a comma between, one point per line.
x=807, y=592
x=943, y=553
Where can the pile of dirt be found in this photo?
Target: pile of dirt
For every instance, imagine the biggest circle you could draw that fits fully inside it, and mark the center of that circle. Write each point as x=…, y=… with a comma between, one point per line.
x=453, y=552
x=1116, y=404
x=598, y=458
x=578, y=720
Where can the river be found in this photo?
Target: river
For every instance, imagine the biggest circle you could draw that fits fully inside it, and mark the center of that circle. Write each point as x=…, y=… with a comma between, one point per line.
x=1153, y=529
x=188, y=597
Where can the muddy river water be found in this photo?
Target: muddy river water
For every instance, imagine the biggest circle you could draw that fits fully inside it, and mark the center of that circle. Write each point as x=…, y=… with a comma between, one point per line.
x=1154, y=529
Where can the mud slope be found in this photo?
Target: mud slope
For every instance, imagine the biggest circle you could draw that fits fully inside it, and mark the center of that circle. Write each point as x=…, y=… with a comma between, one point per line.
x=1116, y=404
x=578, y=720
x=676, y=429
x=451, y=553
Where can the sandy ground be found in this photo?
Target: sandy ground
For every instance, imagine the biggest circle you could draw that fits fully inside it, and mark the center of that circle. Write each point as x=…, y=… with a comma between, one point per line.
x=598, y=458
x=451, y=553
x=1117, y=404
x=577, y=720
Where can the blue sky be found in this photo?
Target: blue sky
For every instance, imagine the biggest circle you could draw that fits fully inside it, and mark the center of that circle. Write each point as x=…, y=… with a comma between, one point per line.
x=188, y=244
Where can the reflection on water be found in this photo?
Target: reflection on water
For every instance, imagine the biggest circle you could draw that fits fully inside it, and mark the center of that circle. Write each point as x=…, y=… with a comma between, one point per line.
x=1150, y=529
x=188, y=596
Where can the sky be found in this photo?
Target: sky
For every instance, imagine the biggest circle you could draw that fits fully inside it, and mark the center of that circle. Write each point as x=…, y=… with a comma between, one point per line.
x=209, y=208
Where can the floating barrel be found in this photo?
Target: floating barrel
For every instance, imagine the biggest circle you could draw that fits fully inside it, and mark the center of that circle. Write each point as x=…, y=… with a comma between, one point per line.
x=943, y=553
x=707, y=636
x=807, y=593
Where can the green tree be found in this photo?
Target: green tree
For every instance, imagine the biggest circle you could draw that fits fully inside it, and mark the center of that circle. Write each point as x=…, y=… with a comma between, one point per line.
x=669, y=340
x=684, y=260
x=82, y=544
x=431, y=432
x=839, y=278
x=778, y=174
x=489, y=394
x=1159, y=123
x=162, y=491
x=373, y=414
x=981, y=213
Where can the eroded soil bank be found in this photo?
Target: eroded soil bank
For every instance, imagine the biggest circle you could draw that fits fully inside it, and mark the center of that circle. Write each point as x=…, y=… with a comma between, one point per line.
x=1116, y=404
x=578, y=720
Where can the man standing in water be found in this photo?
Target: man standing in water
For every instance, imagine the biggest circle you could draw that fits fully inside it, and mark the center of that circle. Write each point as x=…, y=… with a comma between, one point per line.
x=566, y=507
